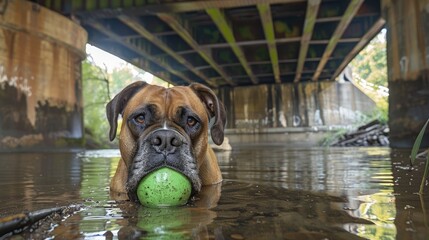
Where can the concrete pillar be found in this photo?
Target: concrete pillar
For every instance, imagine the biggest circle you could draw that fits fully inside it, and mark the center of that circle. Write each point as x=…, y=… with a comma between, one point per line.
x=408, y=68
x=40, y=78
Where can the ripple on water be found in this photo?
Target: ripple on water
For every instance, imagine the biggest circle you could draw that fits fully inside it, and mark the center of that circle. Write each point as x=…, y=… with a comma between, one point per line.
x=268, y=193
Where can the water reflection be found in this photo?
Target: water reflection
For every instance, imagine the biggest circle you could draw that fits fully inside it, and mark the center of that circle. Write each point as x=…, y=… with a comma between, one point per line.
x=334, y=170
x=411, y=209
x=31, y=181
x=363, y=176
x=380, y=209
x=268, y=193
x=167, y=223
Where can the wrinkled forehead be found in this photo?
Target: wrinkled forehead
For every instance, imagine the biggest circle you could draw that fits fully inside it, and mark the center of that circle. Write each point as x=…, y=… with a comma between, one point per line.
x=149, y=94
x=181, y=96
x=165, y=99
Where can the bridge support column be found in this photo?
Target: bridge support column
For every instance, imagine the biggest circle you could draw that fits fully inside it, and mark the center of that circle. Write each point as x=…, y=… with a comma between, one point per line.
x=40, y=78
x=408, y=68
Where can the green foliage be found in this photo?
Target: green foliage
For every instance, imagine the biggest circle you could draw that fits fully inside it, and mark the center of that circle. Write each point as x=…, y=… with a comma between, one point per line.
x=381, y=113
x=414, y=151
x=95, y=96
x=371, y=64
x=99, y=86
x=332, y=137
x=417, y=143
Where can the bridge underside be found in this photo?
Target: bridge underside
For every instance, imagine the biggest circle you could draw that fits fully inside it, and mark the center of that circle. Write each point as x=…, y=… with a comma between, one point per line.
x=229, y=43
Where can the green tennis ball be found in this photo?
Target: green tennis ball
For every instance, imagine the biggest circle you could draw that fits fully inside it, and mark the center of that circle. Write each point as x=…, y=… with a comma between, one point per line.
x=164, y=187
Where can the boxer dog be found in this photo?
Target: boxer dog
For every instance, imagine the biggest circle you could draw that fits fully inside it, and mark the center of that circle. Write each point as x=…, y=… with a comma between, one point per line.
x=166, y=127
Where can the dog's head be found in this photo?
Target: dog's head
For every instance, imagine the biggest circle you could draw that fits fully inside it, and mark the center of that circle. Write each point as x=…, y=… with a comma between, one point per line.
x=165, y=127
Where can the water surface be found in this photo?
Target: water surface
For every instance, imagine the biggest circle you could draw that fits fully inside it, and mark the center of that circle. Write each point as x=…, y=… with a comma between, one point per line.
x=267, y=193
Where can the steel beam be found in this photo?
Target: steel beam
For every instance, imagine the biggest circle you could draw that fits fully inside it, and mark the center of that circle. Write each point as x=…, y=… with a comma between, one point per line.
x=99, y=27
x=350, y=12
x=269, y=74
x=251, y=42
x=115, y=7
x=133, y=23
x=221, y=22
x=374, y=30
x=276, y=41
x=179, y=28
x=261, y=62
x=267, y=23
x=310, y=20
x=344, y=40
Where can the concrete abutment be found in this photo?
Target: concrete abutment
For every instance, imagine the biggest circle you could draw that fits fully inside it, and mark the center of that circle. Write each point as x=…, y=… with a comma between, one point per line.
x=40, y=78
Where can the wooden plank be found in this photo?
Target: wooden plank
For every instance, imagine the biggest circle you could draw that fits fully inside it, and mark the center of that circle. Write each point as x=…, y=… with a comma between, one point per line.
x=374, y=30
x=179, y=28
x=310, y=20
x=133, y=23
x=99, y=27
x=222, y=24
x=267, y=23
x=350, y=12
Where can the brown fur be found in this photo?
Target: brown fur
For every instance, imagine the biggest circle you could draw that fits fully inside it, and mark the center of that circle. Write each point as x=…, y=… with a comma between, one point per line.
x=197, y=97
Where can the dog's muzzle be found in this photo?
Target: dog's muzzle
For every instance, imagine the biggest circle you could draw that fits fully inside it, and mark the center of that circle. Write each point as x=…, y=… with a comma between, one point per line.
x=162, y=148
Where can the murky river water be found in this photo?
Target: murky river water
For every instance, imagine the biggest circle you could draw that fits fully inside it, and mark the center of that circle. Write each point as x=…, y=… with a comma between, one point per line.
x=267, y=193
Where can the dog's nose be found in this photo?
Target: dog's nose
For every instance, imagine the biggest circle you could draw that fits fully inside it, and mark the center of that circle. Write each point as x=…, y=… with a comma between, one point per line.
x=165, y=141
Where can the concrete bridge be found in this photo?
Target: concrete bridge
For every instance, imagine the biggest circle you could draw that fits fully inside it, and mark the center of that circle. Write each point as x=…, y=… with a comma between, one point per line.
x=277, y=58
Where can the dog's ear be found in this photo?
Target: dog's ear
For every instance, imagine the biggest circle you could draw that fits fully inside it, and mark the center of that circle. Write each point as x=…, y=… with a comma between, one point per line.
x=215, y=109
x=117, y=104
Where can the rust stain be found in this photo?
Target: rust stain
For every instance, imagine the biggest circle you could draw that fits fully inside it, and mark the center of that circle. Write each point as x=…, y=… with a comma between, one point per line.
x=9, y=38
x=38, y=77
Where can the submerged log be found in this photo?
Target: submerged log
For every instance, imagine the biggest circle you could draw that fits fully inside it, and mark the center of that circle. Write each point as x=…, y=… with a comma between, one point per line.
x=20, y=222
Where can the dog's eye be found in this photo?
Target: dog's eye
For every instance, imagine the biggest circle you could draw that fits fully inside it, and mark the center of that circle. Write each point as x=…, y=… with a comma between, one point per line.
x=191, y=121
x=140, y=119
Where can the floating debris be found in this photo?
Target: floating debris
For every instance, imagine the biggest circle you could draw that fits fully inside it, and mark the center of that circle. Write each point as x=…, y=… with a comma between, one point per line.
x=371, y=134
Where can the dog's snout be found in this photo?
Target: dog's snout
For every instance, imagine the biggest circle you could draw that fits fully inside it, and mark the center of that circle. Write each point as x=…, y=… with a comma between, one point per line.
x=165, y=141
